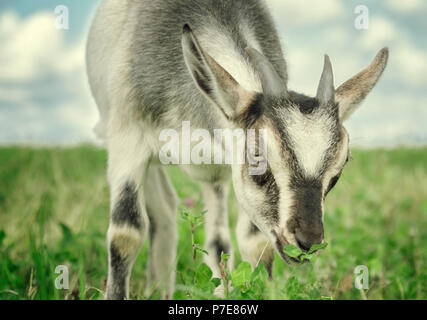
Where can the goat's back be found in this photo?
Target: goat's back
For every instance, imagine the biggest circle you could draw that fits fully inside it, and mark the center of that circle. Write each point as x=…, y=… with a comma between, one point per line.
x=145, y=46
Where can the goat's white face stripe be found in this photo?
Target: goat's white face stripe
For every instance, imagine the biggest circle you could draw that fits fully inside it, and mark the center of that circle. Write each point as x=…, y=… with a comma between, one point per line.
x=282, y=178
x=311, y=137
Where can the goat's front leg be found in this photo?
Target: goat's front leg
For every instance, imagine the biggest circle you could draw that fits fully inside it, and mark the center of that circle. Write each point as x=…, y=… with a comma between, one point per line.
x=128, y=218
x=217, y=231
x=254, y=246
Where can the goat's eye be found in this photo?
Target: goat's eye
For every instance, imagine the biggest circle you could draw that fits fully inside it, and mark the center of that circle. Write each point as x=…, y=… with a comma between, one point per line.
x=332, y=184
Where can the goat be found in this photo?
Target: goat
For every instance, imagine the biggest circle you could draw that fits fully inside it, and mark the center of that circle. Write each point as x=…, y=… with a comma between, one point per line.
x=154, y=64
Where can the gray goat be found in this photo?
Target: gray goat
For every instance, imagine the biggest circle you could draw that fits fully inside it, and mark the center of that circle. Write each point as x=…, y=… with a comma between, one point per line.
x=217, y=64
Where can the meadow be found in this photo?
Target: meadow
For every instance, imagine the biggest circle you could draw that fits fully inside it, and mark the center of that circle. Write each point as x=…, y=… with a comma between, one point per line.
x=54, y=205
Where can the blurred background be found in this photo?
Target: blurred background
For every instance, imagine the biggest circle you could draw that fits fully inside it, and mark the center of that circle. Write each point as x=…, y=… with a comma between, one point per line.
x=53, y=189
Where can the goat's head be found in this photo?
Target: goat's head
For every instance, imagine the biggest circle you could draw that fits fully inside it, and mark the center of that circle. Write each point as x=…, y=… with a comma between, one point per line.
x=307, y=145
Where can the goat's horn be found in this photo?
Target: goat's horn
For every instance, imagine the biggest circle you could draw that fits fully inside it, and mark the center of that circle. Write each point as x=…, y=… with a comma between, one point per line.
x=271, y=83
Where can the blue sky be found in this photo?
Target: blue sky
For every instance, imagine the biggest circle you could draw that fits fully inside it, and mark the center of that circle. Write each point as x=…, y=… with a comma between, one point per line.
x=80, y=12
x=44, y=96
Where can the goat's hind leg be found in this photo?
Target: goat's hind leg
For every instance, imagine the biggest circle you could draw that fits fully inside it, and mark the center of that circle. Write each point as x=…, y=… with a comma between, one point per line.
x=162, y=205
x=217, y=231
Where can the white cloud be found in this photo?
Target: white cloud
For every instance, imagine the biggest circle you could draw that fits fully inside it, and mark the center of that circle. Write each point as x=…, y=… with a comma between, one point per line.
x=351, y=52
x=405, y=6
x=381, y=32
x=412, y=65
x=78, y=117
x=305, y=66
x=27, y=45
x=305, y=12
x=407, y=61
x=389, y=119
x=11, y=95
x=44, y=91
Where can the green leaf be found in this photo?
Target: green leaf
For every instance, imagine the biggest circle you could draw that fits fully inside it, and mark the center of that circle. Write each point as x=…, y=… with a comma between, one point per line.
x=184, y=215
x=216, y=281
x=241, y=276
x=292, y=251
x=260, y=274
x=201, y=250
x=309, y=257
x=203, y=275
x=292, y=285
x=317, y=247
x=225, y=256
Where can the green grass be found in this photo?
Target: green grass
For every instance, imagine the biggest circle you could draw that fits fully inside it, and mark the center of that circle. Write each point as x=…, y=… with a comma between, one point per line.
x=54, y=207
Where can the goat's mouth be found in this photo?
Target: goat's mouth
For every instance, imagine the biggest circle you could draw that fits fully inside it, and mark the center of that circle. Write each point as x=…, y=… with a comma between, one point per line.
x=280, y=243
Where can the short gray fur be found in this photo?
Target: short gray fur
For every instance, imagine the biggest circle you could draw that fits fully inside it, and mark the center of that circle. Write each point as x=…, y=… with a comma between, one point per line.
x=158, y=58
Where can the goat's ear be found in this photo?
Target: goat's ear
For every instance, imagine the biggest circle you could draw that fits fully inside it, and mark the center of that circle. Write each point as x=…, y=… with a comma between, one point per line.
x=215, y=82
x=352, y=93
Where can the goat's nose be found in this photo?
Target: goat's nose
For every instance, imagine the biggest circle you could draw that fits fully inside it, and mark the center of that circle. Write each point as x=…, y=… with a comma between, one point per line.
x=306, y=239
